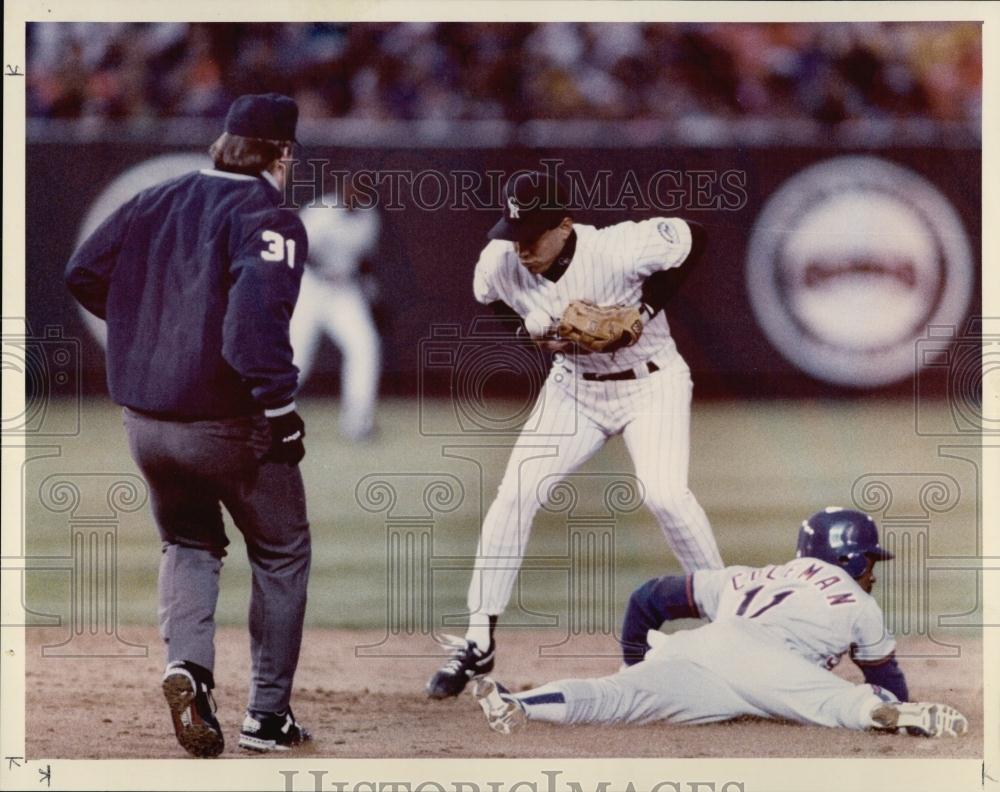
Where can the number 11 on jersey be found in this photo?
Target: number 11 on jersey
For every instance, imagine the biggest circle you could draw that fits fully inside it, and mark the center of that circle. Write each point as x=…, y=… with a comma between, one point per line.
x=777, y=599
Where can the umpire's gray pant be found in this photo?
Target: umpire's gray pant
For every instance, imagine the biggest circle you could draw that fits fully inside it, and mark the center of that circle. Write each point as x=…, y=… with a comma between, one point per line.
x=192, y=469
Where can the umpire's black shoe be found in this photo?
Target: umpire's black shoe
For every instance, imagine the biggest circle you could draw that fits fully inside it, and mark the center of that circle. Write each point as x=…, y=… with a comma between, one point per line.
x=188, y=691
x=467, y=661
x=270, y=731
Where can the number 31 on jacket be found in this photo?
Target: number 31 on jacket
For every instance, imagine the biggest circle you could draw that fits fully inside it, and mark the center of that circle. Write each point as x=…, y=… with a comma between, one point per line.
x=278, y=248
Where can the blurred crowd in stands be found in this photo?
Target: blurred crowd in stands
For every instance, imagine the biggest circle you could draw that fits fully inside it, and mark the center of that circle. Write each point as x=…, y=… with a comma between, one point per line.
x=825, y=72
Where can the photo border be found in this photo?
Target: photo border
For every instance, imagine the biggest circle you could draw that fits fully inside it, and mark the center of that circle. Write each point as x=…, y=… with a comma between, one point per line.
x=757, y=775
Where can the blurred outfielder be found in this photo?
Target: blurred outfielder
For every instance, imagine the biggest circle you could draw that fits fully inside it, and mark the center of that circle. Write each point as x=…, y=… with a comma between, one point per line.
x=335, y=302
x=600, y=291
x=197, y=278
x=775, y=633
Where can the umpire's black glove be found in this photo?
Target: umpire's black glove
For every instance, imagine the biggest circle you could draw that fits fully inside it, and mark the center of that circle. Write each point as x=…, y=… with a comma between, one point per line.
x=287, y=432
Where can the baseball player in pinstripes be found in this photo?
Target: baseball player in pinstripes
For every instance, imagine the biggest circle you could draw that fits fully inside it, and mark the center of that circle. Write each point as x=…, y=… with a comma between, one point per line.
x=775, y=634
x=342, y=238
x=539, y=266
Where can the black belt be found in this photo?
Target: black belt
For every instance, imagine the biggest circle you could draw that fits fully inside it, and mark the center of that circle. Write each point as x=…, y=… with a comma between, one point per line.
x=652, y=368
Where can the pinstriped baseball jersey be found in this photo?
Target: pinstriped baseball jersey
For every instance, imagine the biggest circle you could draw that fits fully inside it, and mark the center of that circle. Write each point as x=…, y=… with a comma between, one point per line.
x=575, y=416
x=608, y=268
x=339, y=238
x=814, y=607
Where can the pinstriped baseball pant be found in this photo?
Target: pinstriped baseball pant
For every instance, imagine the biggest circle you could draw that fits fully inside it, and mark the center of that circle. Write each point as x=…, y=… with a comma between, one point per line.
x=341, y=312
x=572, y=419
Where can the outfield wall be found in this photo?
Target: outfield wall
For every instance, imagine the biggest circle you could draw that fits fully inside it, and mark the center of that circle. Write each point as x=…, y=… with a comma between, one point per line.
x=830, y=271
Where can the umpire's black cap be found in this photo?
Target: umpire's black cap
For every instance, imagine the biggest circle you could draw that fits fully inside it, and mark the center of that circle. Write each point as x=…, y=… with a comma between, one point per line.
x=534, y=202
x=267, y=116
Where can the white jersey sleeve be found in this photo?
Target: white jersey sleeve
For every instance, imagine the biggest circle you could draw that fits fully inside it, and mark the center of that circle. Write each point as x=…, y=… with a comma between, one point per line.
x=484, y=281
x=872, y=642
x=661, y=243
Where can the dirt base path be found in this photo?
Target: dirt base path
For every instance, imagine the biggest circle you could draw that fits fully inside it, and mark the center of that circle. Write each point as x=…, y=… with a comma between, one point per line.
x=375, y=706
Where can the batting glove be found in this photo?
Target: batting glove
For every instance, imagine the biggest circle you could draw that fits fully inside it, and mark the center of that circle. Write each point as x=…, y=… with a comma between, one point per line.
x=287, y=433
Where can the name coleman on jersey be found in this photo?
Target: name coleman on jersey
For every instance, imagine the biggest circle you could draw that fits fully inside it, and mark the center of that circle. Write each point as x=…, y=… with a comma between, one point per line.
x=805, y=570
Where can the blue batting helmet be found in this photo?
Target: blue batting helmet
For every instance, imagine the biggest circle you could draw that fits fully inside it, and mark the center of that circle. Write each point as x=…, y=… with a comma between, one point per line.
x=843, y=537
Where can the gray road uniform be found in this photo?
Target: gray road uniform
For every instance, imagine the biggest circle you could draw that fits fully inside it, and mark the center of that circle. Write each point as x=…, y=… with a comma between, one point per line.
x=775, y=633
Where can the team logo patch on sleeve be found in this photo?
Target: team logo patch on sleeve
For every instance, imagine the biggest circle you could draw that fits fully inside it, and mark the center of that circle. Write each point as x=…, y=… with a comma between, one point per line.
x=667, y=232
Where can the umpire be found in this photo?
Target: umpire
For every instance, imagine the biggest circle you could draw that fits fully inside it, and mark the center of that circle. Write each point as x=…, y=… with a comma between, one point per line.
x=197, y=278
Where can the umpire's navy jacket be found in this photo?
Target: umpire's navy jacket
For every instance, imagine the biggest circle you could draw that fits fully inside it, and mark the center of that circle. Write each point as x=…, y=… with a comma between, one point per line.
x=197, y=278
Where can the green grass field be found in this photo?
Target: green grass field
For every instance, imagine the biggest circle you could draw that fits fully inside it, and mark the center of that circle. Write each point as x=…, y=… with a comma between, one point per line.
x=757, y=468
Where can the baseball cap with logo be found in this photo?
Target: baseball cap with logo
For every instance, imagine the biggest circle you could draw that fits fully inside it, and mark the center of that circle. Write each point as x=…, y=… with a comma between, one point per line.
x=267, y=116
x=534, y=202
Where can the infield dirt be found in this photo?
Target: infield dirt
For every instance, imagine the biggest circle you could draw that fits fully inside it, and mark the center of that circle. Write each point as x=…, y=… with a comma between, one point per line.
x=376, y=707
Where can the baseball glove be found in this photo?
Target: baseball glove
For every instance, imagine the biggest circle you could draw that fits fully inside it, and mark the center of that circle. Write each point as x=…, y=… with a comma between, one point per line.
x=599, y=328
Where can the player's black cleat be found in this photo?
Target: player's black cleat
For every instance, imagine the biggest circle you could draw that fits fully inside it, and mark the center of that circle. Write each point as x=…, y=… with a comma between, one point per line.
x=266, y=732
x=188, y=691
x=467, y=661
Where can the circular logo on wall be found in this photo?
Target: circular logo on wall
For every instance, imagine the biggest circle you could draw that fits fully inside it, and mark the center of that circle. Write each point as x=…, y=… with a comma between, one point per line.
x=849, y=262
x=134, y=180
